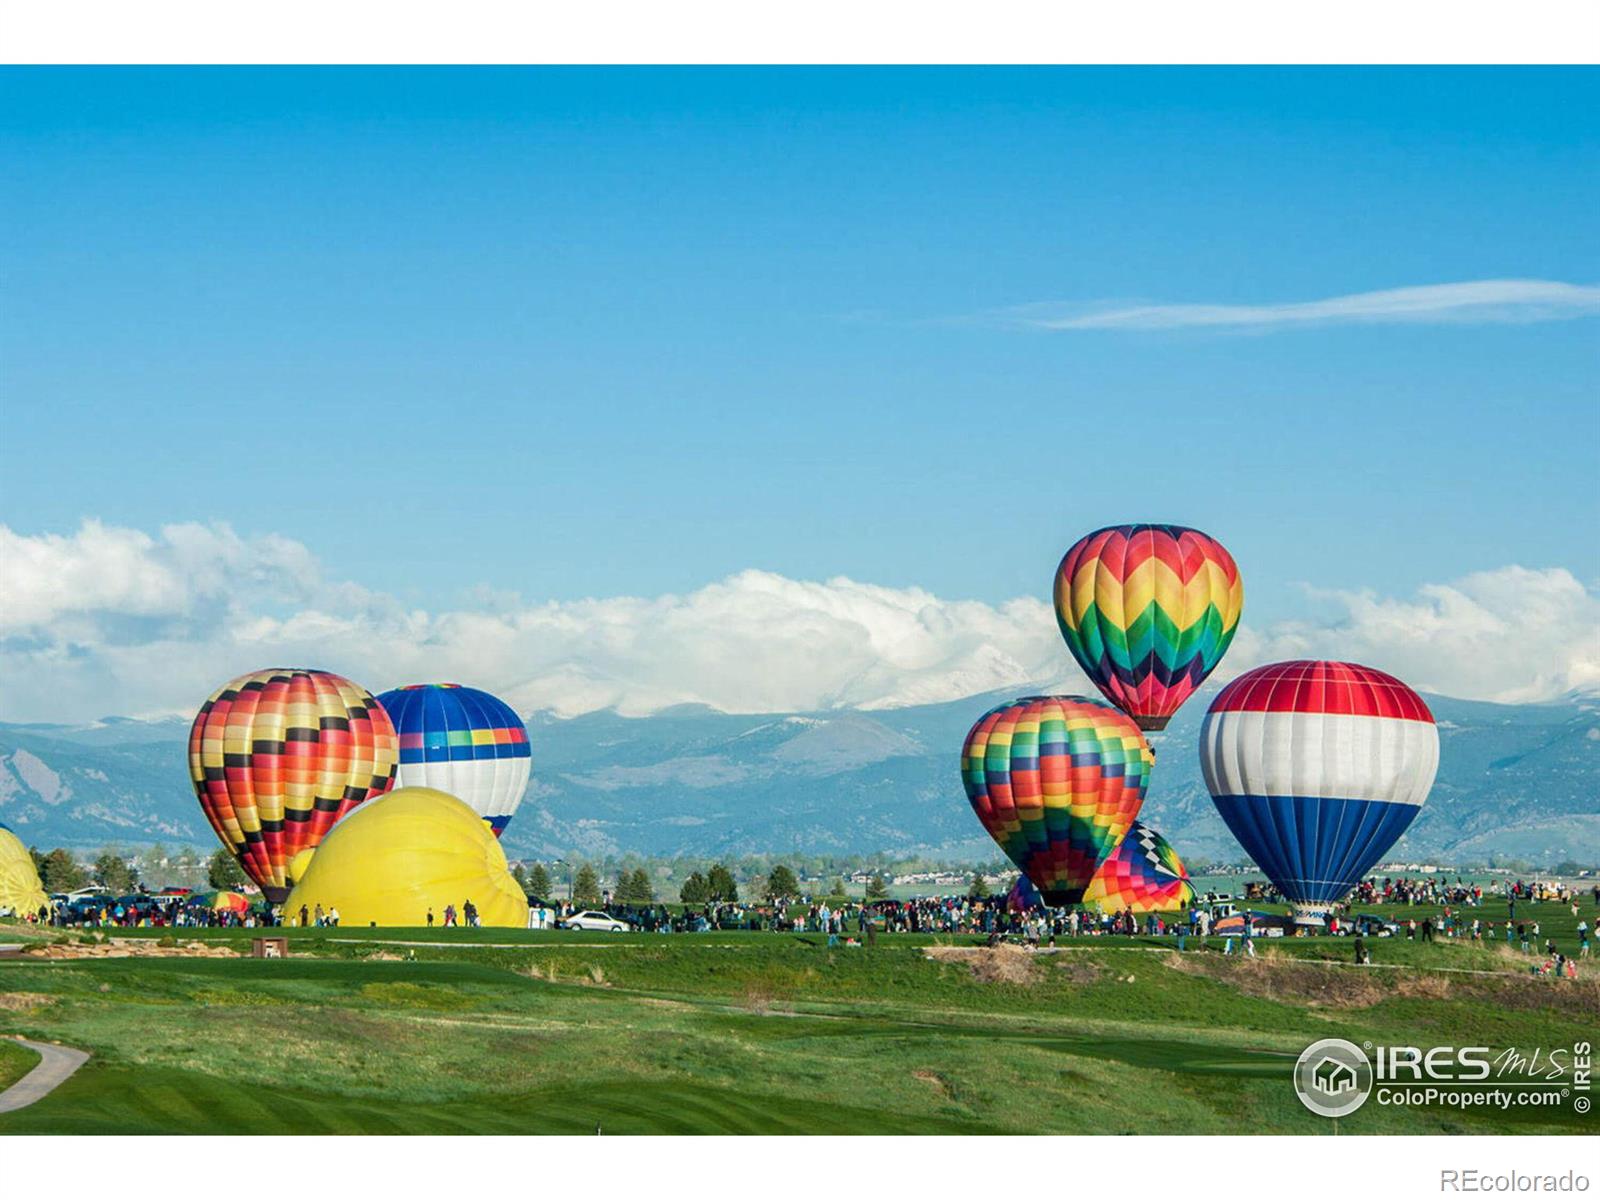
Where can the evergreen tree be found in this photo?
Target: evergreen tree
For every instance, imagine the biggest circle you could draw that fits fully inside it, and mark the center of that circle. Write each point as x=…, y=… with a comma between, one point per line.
x=720, y=884
x=878, y=887
x=980, y=885
x=224, y=873
x=114, y=872
x=586, y=887
x=781, y=884
x=61, y=872
x=836, y=889
x=644, y=891
x=694, y=890
x=521, y=876
x=539, y=881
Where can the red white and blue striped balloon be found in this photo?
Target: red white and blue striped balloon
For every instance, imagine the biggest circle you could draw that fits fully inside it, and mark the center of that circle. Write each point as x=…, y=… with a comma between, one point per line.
x=464, y=742
x=1317, y=768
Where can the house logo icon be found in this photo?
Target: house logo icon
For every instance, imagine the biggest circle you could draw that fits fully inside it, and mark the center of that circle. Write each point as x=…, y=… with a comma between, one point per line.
x=1333, y=1077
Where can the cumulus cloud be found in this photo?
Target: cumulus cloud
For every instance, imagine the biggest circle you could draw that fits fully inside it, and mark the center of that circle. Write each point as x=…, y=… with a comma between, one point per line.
x=116, y=621
x=1510, y=635
x=1481, y=301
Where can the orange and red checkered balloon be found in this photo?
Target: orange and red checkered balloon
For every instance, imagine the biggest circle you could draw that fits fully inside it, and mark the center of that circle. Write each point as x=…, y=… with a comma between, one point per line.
x=278, y=756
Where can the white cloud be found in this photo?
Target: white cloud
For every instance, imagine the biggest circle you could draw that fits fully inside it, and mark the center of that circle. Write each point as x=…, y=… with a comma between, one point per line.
x=1510, y=635
x=115, y=621
x=1482, y=301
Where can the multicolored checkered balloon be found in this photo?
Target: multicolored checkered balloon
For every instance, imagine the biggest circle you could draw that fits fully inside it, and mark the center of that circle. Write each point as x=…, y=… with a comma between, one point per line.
x=1057, y=781
x=1145, y=875
x=278, y=756
x=1148, y=611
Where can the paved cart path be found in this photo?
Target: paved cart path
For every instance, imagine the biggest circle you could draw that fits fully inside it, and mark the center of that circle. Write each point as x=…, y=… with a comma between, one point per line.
x=56, y=1065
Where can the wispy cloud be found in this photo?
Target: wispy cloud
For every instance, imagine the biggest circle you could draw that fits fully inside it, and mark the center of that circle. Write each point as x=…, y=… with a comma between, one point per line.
x=1481, y=301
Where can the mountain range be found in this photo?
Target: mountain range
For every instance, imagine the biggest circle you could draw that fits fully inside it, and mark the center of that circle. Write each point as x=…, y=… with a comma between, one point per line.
x=1516, y=782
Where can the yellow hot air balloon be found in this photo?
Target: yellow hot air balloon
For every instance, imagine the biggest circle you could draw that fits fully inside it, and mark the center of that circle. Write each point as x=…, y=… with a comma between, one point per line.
x=20, y=889
x=394, y=858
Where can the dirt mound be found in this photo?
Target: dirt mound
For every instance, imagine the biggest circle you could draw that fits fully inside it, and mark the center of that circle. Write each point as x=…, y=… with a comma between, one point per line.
x=1313, y=985
x=991, y=964
x=23, y=1001
x=129, y=948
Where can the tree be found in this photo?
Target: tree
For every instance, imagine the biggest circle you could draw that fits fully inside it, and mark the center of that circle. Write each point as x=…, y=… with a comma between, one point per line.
x=644, y=891
x=539, y=881
x=980, y=885
x=877, y=887
x=694, y=889
x=720, y=884
x=224, y=873
x=586, y=887
x=521, y=877
x=1567, y=867
x=115, y=872
x=781, y=884
x=836, y=889
x=61, y=872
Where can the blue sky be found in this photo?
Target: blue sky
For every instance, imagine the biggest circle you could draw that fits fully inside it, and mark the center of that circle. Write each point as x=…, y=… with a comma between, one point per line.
x=604, y=332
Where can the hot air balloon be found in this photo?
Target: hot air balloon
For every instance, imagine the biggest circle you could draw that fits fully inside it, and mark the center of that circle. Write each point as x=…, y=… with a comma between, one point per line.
x=1023, y=896
x=1317, y=767
x=278, y=756
x=1148, y=612
x=412, y=850
x=464, y=742
x=1056, y=780
x=1145, y=875
x=21, y=892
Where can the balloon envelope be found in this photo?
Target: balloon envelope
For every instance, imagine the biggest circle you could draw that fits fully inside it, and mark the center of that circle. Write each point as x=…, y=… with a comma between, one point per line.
x=1023, y=896
x=278, y=756
x=464, y=742
x=21, y=892
x=1144, y=875
x=1056, y=780
x=1317, y=768
x=396, y=857
x=1148, y=611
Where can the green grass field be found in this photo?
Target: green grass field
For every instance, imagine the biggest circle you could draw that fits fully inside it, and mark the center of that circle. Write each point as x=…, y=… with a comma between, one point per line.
x=15, y=1062
x=502, y=1031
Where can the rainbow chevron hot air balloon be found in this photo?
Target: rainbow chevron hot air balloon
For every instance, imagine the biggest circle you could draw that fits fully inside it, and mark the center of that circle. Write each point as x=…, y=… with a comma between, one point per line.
x=1148, y=612
x=1145, y=875
x=1057, y=781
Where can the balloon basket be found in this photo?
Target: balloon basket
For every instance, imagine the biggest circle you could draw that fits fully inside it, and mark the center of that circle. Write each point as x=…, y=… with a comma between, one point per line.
x=275, y=895
x=1311, y=915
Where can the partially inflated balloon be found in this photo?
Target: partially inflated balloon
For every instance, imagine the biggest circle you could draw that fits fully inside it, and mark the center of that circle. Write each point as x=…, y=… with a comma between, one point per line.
x=397, y=857
x=1145, y=875
x=1023, y=896
x=1056, y=780
x=1148, y=612
x=464, y=742
x=278, y=756
x=21, y=892
x=1317, y=767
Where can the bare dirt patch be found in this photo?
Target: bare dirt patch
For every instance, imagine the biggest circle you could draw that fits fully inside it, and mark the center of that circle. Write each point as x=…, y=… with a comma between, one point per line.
x=991, y=964
x=132, y=948
x=24, y=1001
x=1268, y=978
x=940, y=1088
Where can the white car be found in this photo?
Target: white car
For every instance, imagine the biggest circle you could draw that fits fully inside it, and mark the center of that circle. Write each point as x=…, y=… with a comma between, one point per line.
x=597, y=922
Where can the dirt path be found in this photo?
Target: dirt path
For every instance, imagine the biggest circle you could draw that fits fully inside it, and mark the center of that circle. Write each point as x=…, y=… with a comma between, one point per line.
x=56, y=1065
